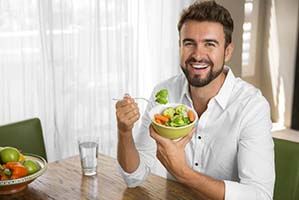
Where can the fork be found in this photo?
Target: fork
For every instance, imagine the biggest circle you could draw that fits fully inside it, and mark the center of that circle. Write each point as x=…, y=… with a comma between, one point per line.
x=148, y=101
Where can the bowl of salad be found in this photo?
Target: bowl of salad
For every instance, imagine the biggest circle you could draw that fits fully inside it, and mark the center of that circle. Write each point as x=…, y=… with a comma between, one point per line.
x=173, y=120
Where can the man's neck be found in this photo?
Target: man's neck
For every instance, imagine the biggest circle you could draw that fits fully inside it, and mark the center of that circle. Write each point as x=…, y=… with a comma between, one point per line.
x=202, y=95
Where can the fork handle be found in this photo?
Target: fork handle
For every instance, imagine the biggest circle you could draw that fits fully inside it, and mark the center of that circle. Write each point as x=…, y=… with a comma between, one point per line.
x=115, y=99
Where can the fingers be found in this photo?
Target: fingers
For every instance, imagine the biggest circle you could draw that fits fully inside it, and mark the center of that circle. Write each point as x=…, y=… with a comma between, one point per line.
x=153, y=134
x=133, y=118
x=160, y=157
x=127, y=113
x=186, y=139
x=127, y=106
x=160, y=153
x=124, y=102
x=159, y=139
x=128, y=121
x=160, y=143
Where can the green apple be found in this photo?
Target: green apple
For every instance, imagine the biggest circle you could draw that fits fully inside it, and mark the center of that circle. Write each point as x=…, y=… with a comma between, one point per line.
x=31, y=166
x=9, y=154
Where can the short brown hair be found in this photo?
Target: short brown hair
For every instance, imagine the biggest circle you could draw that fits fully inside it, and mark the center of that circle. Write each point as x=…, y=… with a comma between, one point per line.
x=209, y=11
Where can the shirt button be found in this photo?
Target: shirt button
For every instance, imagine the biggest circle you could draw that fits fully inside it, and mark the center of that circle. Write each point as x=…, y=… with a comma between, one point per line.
x=196, y=164
x=199, y=137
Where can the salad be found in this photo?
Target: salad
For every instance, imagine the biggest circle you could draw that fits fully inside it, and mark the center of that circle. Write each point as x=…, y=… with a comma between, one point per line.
x=175, y=116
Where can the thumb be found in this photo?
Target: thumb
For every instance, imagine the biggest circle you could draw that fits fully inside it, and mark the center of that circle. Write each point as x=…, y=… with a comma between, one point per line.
x=186, y=139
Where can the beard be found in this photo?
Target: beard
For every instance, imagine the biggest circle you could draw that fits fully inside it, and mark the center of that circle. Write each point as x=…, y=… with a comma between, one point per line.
x=196, y=80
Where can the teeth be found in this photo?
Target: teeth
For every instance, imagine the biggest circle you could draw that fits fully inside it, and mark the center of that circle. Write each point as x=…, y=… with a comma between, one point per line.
x=200, y=66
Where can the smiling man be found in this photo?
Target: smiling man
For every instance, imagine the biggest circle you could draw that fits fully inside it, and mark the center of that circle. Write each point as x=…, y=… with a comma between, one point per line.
x=229, y=155
x=203, y=51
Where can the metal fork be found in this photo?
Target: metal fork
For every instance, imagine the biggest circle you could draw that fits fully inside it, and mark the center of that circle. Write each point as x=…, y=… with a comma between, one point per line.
x=115, y=99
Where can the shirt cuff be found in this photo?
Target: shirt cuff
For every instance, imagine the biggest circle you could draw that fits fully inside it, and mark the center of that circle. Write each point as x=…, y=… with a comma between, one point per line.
x=135, y=178
x=236, y=191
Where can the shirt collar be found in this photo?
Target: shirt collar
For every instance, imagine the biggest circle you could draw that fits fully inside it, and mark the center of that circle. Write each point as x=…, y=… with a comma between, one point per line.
x=224, y=93
x=185, y=90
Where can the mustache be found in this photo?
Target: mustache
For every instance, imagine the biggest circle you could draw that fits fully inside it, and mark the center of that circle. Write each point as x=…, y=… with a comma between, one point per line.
x=203, y=60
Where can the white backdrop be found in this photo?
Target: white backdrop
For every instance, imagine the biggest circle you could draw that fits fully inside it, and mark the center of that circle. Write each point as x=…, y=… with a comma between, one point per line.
x=63, y=61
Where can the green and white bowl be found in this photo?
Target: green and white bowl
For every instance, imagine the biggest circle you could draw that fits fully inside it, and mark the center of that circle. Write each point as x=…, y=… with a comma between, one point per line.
x=167, y=131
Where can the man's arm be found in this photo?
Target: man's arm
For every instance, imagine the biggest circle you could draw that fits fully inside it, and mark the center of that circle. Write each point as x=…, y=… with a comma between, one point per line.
x=127, y=114
x=127, y=155
x=172, y=155
x=136, y=155
x=205, y=186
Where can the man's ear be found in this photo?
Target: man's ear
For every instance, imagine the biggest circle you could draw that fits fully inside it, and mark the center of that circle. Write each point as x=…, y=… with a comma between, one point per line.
x=228, y=52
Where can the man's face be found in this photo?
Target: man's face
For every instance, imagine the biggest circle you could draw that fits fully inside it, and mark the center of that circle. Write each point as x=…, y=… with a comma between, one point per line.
x=202, y=51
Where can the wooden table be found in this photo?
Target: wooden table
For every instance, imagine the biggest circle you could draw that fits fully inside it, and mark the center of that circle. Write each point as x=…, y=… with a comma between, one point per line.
x=63, y=180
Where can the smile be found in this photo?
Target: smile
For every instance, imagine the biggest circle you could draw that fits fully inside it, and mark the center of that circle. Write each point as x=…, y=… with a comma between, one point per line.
x=200, y=66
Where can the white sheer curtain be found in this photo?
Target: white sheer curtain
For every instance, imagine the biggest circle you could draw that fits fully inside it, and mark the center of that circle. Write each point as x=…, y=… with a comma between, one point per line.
x=63, y=61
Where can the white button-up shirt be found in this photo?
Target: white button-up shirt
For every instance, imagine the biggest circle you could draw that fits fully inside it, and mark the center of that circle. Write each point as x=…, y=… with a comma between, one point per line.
x=232, y=141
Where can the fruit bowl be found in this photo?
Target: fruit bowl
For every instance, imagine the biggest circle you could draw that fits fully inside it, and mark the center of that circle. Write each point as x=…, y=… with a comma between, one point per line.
x=167, y=131
x=17, y=185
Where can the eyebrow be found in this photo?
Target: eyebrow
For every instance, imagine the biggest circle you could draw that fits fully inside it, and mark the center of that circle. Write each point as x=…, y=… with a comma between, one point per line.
x=205, y=40
x=188, y=40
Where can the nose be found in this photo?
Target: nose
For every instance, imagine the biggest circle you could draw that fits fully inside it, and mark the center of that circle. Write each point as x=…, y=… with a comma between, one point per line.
x=198, y=53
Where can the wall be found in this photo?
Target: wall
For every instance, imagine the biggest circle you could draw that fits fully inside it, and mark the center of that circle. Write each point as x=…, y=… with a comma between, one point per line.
x=236, y=8
x=279, y=52
x=275, y=35
x=251, y=72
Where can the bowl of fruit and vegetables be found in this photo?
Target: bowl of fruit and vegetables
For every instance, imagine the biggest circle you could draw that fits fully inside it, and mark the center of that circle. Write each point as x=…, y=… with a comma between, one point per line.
x=18, y=169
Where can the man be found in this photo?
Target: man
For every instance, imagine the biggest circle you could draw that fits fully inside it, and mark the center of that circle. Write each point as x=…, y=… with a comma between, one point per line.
x=229, y=155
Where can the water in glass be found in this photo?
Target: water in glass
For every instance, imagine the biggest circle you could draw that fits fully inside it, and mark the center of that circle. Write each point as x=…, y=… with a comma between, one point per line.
x=89, y=155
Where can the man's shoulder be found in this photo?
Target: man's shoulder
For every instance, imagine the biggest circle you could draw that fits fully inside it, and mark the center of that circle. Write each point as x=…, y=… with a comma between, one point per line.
x=247, y=94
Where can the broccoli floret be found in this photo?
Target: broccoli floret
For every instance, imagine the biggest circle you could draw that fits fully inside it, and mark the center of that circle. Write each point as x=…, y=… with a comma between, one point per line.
x=161, y=96
x=169, y=112
x=161, y=100
x=181, y=109
x=186, y=120
x=162, y=93
x=177, y=121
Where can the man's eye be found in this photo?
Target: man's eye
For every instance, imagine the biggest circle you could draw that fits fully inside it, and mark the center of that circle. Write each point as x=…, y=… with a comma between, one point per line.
x=188, y=44
x=210, y=44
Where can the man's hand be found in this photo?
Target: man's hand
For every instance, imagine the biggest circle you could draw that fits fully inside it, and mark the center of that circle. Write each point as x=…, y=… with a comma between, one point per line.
x=172, y=153
x=127, y=113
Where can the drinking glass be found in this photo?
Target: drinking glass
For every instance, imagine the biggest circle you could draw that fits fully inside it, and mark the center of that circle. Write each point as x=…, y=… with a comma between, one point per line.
x=88, y=148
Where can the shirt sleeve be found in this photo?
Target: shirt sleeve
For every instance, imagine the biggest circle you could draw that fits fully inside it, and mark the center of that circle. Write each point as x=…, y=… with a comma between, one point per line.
x=255, y=155
x=137, y=177
x=146, y=148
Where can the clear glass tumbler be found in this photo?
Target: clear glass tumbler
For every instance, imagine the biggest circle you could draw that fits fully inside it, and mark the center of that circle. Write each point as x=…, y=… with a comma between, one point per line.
x=88, y=148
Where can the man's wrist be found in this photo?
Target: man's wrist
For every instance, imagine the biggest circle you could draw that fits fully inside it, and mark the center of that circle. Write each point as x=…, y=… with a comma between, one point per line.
x=125, y=135
x=122, y=132
x=184, y=174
